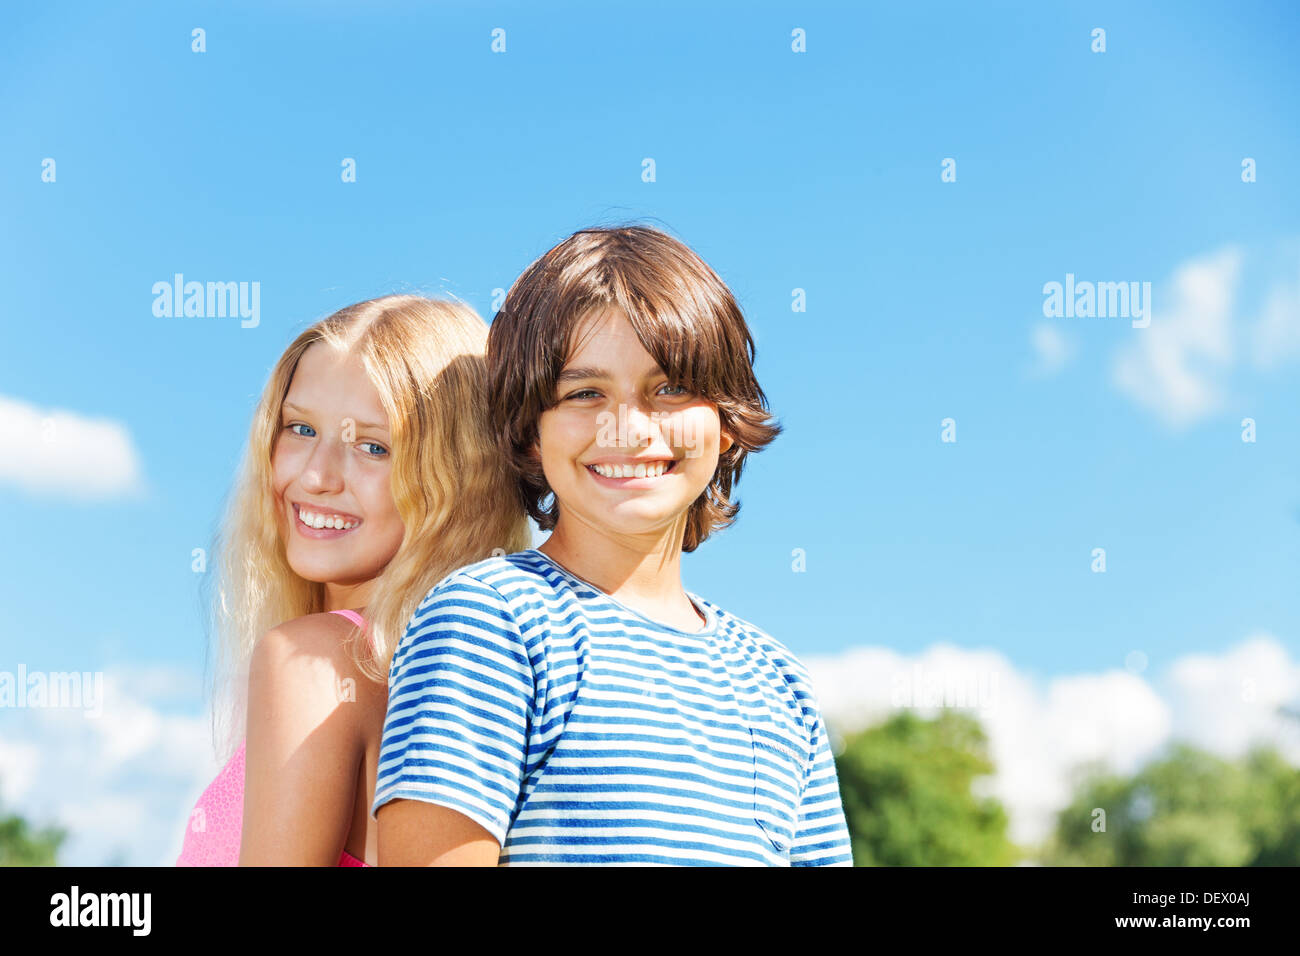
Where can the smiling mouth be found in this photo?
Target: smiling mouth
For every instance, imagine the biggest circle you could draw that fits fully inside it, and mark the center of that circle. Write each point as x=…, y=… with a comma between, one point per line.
x=324, y=520
x=641, y=469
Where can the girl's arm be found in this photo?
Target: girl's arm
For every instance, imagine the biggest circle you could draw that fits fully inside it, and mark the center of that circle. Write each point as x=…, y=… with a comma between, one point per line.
x=304, y=747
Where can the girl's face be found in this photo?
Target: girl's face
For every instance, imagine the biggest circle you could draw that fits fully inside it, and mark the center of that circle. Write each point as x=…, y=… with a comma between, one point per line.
x=625, y=450
x=330, y=468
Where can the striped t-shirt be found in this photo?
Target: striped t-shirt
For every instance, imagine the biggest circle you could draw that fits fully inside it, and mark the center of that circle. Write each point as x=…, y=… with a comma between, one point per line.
x=576, y=730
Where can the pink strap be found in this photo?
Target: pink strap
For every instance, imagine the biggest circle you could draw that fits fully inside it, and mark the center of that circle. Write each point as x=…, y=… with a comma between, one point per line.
x=352, y=616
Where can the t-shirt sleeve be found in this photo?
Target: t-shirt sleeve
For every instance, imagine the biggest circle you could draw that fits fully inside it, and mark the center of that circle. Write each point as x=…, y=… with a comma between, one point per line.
x=460, y=696
x=821, y=834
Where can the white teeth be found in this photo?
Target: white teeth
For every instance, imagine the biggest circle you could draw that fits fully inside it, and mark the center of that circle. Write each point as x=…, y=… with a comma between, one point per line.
x=334, y=522
x=639, y=470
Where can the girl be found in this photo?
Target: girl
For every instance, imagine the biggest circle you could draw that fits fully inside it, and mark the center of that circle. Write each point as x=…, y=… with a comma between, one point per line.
x=370, y=475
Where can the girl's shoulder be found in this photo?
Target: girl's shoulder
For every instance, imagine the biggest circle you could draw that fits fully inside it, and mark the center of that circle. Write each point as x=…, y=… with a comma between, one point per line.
x=321, y=637
x=311, y=660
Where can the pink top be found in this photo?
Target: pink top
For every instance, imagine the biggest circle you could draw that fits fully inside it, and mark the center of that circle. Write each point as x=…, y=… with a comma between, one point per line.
x=212, y=838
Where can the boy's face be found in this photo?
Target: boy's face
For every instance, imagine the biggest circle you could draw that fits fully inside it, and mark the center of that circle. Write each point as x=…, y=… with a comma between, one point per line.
x=616, y=410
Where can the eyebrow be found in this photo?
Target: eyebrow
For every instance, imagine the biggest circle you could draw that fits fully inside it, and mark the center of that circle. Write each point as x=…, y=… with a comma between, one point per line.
x=303, y=411
x=575, y=374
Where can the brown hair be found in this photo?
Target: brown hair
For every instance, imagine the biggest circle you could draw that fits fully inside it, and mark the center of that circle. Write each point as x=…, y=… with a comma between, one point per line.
x=683, y=314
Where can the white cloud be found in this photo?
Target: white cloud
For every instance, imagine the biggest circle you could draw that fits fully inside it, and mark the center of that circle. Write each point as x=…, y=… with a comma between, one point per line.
x=18, y=763
x=122, y=783
x=1176, y=366
x=1226, y=702
x=1276, y=336
x=1041, y=733
x=1180, y=367
x=66, y=454
x=1051, y=348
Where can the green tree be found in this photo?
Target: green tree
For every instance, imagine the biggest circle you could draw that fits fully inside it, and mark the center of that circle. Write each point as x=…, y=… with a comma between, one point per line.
x=21, y=845
x=908, y=796
x=1188, y=808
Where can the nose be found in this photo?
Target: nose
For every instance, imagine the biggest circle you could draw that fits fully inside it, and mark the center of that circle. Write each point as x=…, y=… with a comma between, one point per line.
x=640, y=426
x=323, y=473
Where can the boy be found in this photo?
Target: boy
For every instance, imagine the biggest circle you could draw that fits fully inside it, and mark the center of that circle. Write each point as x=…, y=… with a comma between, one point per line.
x=573, y=703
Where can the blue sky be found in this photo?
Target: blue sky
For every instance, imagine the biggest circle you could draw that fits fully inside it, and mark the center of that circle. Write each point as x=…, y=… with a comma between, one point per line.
x=816, y=170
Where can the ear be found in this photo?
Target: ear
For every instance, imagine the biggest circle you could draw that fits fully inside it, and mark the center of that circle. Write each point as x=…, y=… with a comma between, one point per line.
x=725, y=442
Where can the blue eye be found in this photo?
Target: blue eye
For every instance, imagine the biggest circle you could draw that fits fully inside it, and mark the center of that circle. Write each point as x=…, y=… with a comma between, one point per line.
x=378, y=454
x=300, y=425
x=683, y=389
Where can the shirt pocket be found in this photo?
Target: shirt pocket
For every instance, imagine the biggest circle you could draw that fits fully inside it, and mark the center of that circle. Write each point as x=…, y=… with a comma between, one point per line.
x=778, y=783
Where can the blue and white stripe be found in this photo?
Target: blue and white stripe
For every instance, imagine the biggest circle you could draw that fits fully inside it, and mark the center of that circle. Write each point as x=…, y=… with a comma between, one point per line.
x=576, y=730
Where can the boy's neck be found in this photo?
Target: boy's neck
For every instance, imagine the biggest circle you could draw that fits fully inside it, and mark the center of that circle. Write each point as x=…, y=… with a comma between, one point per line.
x=644, y=574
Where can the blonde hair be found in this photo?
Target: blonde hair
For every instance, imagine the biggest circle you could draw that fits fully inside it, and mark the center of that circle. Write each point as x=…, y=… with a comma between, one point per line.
x=451, y=490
